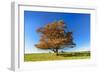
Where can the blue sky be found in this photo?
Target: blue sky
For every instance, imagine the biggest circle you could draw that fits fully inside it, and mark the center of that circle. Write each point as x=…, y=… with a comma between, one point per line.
x=78, y=23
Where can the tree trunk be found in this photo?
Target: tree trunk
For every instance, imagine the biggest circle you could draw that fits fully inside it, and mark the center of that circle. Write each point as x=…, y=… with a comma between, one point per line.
x=56, y=52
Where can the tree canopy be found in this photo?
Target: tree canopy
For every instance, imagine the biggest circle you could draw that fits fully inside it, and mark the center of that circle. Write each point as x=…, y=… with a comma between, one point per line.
x=55, y=36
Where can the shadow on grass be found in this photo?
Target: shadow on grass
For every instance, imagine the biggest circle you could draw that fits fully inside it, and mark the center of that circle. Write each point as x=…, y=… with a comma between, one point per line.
x=74, y=54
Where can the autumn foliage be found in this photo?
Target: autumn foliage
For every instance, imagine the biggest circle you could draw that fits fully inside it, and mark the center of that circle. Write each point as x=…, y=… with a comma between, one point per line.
x=55, y=36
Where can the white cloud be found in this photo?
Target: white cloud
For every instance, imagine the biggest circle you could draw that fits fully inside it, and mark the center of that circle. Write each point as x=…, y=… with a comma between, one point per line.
x=35, y=50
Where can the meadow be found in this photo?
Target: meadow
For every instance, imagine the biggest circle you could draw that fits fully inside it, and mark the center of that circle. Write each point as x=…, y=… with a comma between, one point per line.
x=52, y=56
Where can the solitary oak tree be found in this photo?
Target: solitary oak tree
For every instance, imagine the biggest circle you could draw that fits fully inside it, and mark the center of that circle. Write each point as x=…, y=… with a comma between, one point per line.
x=55, y=36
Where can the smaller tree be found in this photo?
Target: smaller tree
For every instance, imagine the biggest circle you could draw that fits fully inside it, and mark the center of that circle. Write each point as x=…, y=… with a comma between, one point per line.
x=55, y=36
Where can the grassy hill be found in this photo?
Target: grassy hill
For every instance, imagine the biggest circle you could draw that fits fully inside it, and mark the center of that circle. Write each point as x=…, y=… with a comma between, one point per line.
x=52, y=56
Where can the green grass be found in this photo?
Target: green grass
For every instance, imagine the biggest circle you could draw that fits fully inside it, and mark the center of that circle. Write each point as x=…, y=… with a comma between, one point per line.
x=52, y=56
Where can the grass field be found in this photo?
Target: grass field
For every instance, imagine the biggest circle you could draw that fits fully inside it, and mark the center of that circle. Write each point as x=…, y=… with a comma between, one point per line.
x=52, y=56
